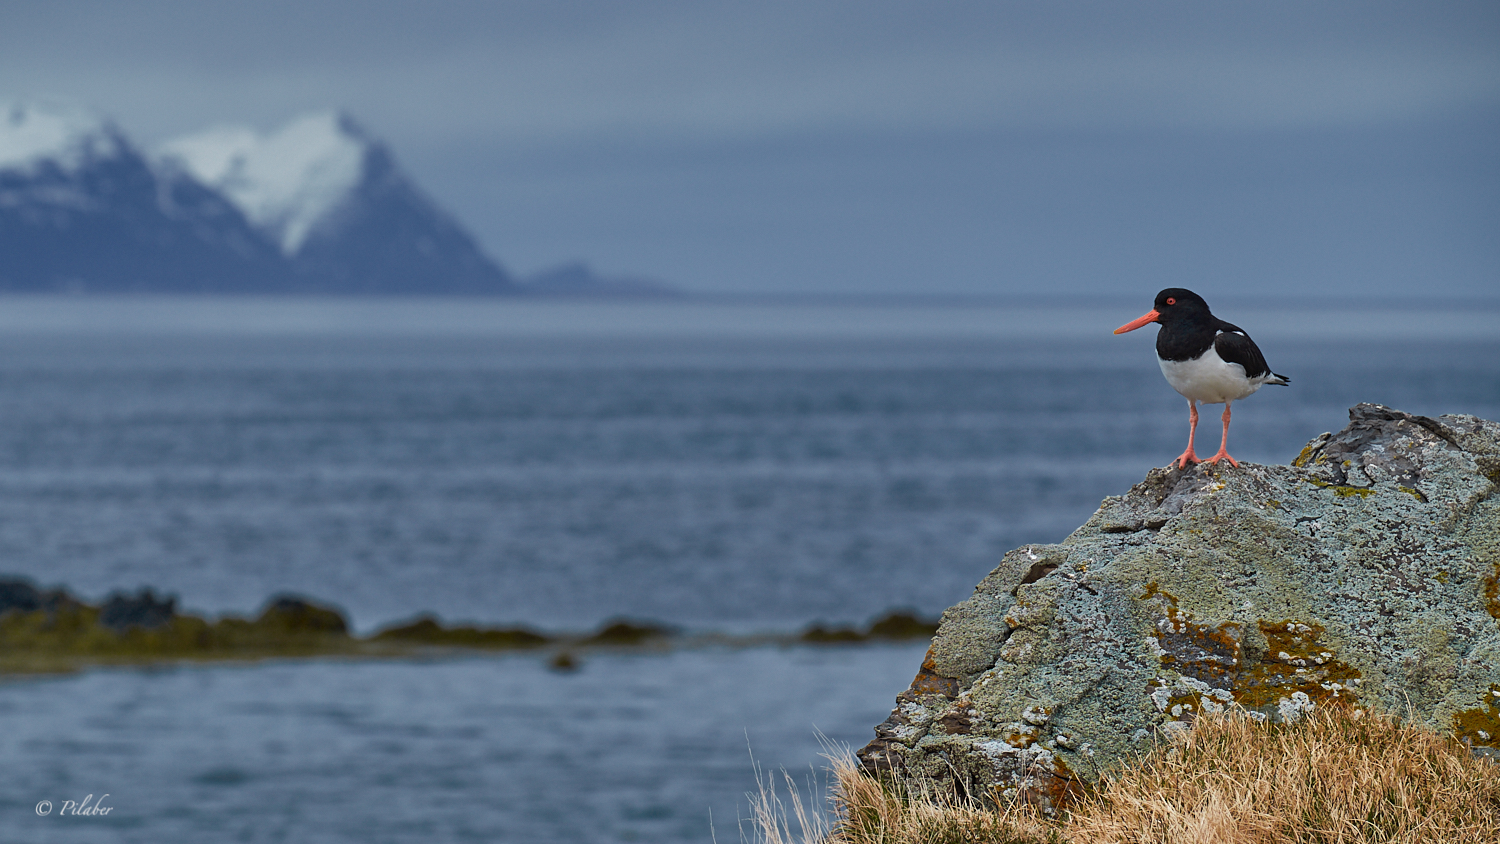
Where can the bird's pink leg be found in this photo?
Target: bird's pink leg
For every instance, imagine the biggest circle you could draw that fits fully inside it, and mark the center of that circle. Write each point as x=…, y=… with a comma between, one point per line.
x=1224, y=443
x=1188, y=456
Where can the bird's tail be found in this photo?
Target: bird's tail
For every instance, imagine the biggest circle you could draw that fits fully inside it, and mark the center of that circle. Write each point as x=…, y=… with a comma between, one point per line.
x=1278, y=380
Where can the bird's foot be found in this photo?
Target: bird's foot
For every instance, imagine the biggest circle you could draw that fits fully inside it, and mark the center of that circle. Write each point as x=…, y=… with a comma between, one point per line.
x=1223, y=455
x=1186, y=458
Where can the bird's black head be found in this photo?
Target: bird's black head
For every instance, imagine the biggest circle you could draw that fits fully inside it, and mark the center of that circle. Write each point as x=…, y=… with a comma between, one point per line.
x=1175, y=304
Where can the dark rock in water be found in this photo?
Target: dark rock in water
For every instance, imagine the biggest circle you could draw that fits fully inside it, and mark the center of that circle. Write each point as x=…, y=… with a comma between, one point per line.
x=1367, y=572
x=895, y=625
x=627, y=633
x=426, y=630
x=122, y=612
x=903, y=625
x=293, y=615
x=820, y=635
x=563, y=661
x=19, y=595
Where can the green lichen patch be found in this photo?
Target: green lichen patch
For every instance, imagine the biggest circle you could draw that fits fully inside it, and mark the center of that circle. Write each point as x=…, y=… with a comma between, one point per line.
x=1306, y=456
x=1295, y=661
x=1341, y=490
x=1480, y=726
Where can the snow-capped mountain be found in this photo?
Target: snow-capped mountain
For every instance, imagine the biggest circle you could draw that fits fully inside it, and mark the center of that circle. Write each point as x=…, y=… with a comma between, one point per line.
x=285, y=182
x=317, y=206
x=82, y=209
x=65, y=137
x=339, y=209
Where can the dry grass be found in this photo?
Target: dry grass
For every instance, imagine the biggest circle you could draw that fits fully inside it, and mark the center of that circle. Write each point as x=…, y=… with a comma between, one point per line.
x=869, y=812
x=1338, y=777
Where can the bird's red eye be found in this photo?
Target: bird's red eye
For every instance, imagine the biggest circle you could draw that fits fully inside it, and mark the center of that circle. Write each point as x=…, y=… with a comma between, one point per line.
x=1171, y=301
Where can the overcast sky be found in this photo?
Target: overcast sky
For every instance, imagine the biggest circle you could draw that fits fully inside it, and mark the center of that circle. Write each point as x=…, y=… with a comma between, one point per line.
x=1260, y=149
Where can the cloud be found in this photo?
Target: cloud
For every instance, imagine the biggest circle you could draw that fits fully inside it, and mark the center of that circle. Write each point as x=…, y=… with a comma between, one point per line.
x=541, y=73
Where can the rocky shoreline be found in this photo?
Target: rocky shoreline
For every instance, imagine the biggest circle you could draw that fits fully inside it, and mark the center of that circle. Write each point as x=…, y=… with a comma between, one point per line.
x=50, y=630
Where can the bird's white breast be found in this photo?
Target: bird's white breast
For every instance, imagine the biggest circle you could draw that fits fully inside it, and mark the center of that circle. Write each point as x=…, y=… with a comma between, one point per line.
x=1209, y=378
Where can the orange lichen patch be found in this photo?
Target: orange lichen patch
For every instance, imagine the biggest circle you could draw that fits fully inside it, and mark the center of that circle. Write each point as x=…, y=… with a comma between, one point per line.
x=1210, y=653
x=959, y=720
x=1154, y=590
x=929, y=682
x=1025, y=614
x=1295, y=661
x=1019, y=735
x=1480, y=727
x=1051, y=787
x=1044, y=783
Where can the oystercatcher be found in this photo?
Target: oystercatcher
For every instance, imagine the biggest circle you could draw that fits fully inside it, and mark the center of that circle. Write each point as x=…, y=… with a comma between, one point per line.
x=1205, y=359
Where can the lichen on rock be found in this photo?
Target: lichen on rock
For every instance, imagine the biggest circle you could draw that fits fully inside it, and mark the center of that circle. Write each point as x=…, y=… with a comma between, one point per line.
x=1364, y=573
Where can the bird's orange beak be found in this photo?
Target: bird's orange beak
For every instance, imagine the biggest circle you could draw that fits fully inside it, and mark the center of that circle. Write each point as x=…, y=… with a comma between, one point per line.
x=1137, y=323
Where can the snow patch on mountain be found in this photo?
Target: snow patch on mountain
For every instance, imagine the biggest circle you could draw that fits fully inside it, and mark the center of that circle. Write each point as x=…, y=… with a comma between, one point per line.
x=285, y=182
x=69, y=136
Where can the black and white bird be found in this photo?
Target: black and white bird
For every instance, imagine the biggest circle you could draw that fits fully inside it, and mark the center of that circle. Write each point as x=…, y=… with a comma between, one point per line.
x=1205, y=359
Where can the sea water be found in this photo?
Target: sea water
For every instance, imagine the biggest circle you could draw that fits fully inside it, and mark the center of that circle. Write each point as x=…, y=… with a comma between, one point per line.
x=741, y=468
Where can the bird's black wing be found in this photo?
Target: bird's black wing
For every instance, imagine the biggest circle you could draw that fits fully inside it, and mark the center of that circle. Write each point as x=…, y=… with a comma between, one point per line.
x=1235, y=346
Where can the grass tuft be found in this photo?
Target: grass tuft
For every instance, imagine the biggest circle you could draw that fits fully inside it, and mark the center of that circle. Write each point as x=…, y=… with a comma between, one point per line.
x=1339, y=776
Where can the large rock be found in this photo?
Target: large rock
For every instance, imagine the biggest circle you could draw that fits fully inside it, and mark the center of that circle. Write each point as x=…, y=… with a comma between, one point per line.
x=1364, y=572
